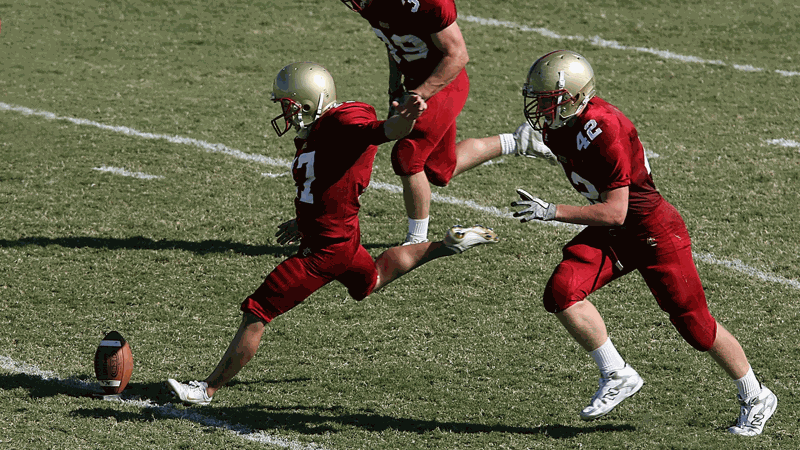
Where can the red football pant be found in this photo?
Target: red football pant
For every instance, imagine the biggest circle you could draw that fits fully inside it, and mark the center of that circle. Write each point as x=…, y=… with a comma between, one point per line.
x=296, y=278
x=431, y=145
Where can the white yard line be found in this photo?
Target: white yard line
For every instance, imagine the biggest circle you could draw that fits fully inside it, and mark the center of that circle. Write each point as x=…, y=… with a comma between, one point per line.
x=167, y=410
x=600, y=42
x=207, y=146
x=125, y=173
x=737, y=266
x=783, y=142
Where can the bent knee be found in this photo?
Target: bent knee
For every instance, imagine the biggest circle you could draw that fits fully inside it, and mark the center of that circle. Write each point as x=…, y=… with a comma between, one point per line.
x=560, y=292
x=697, y=327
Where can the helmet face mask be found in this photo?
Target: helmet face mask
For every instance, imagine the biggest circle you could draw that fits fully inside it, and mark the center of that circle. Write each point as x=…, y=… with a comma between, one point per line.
x=558, y=87
x=291, y=116
x=304, y=91
x=544, y=109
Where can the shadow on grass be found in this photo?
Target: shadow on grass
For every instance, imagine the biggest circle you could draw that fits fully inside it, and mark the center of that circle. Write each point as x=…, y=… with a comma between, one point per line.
x=318, y=421
x=41, y=387
x=143, y=243
x=158, y=403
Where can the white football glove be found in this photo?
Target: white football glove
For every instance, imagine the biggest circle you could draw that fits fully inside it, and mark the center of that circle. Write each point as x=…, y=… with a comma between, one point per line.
x=529, y=143
x=288, y=232
x=535, y=208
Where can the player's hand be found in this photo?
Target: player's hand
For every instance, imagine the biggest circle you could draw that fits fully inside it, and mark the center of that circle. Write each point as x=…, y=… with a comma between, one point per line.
x=288, y=232
x=533, y=208
x=529, y=143
x=410, y=106
x=395, y=97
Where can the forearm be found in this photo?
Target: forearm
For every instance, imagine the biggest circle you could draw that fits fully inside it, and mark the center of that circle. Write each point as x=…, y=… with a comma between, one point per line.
x=599, y=214
x=397, y=127
x=446, y=71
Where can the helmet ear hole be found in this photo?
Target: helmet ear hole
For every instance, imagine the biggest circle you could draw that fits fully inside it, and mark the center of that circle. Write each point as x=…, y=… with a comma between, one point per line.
x=306, y=108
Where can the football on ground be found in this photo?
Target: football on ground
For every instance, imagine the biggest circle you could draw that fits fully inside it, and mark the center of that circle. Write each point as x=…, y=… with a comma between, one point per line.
x=113, y=363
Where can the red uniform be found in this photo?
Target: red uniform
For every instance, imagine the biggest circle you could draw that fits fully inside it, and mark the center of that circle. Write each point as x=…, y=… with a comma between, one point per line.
x=601, y=151
x=331, y=169
x=406, y=26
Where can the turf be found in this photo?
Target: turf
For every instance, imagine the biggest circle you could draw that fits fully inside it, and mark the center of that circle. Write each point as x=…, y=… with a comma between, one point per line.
x=459, y=354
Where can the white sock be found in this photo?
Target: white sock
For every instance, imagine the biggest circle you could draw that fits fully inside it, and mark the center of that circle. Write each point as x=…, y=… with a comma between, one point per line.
x=748, y=385
x=507, y=143
x=418, y=227
x=607, y=358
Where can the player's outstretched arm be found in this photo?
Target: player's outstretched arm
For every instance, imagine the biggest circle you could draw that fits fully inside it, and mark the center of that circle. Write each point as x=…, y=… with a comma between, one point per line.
x=610, y=211
x=408, y=111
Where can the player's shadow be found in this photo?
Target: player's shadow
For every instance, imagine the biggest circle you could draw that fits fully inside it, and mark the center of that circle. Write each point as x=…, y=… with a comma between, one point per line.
x=143, y=243
x=320, y=421
x=41, y=386
x=159, y=403
x=308, y=422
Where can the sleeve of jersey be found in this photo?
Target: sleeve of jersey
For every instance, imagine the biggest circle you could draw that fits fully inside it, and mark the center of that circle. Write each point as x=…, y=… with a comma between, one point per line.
x=616, y=157
x=360, y=125
x=437, y=14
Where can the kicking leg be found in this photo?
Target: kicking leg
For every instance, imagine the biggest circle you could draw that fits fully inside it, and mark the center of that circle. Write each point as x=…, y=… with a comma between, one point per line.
x=474, y=152
x=241, y=349
x=398, y=261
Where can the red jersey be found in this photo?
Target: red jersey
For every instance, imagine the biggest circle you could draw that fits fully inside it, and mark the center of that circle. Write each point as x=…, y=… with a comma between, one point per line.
x=331, y=169
x=406, y=26
x=601, y=151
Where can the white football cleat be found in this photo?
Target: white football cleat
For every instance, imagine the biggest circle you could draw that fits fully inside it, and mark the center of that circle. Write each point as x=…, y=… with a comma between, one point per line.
x=613, y=389
x=462, y=239
x=193, y=393
x=754, y=413
x=529, y=143
x=413, y=239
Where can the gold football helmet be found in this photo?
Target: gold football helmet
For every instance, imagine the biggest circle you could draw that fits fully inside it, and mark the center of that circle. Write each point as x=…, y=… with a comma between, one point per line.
x=559, y=86
x=305, y=90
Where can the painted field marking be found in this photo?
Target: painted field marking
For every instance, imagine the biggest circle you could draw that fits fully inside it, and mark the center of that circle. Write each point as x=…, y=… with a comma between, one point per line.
x=125, y=173
x=783, y=142
x=167, y=410
x=212, y=148
x=395, y=189
x=275, y=175
x=600, y=42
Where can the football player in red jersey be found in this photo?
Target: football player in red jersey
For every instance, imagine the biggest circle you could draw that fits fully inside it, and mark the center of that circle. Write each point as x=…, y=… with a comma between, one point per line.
x=336, y=145
x=427, y=60
x=630, y=227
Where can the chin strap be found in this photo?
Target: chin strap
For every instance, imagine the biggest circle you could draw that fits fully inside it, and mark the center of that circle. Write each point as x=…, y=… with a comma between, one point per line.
x=302, y=128
x=319, y=105
x=561, y=83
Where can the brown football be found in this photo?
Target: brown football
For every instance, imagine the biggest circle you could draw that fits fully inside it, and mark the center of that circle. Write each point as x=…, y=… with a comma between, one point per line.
x=113, y=363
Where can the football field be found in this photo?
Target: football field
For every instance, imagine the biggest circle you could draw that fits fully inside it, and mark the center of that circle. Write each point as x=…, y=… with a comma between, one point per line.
x=141, y=186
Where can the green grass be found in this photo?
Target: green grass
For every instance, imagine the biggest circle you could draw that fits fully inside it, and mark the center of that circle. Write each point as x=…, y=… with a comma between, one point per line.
x=460, y=354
